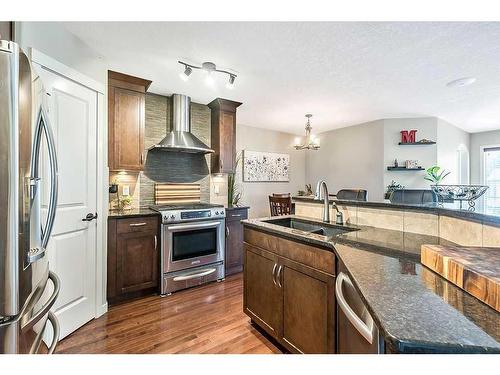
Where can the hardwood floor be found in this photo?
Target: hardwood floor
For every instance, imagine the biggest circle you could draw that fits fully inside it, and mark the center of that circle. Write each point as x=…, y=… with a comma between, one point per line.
x=207, y=319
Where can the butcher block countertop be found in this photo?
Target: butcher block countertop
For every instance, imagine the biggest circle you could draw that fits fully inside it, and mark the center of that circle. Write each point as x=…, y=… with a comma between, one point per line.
x=473, y=269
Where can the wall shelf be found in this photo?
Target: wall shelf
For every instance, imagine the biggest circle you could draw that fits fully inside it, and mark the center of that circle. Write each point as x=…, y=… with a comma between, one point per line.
x=416, y=143
x=405, y=169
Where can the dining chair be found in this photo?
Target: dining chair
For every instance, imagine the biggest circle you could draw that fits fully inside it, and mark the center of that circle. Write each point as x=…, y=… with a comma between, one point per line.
x=352, y=194
x=283, y=195
x=280, y=205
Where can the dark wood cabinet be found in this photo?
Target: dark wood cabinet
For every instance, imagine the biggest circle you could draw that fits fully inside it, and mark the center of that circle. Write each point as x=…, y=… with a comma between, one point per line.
x=233, y=260
x=305, y=311
x=133, y=257
x=223, y=135
x=126, y=121
x=288, y=294
x=263, y=296
x=6, y=30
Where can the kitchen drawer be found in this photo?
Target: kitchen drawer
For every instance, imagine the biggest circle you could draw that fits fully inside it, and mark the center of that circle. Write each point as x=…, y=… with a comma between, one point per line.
x=137, y=224
x=237, y=214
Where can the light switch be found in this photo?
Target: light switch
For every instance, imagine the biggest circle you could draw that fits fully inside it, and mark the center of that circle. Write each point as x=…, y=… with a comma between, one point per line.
x=126, y=190
x=216, y=188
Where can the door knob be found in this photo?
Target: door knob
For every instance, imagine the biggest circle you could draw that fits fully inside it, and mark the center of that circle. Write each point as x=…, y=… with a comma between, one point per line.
x=90, y=216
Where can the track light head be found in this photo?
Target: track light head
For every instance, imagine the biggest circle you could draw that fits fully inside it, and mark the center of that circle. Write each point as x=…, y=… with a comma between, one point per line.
x=230, y=84
x=187, y=71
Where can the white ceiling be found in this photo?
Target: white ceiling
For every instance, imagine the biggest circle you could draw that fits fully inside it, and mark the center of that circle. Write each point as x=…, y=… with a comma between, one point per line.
x=343, y=73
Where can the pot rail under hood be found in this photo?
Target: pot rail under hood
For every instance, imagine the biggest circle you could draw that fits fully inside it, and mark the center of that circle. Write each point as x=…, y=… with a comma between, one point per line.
x=180, y=139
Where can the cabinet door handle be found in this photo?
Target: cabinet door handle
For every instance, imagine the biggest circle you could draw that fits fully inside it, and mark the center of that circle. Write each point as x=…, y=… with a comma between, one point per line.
x=142, y=158
x=227, y=231
x=278, y=276
x=156, y=242
x=274, y=274
x=137, y=224
x=221, y=164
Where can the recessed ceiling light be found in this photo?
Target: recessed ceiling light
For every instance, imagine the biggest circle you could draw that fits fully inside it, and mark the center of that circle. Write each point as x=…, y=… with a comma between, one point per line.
x=465, y=81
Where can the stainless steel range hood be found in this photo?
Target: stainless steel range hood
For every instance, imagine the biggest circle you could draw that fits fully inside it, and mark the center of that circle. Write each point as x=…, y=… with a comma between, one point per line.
x=180, y=138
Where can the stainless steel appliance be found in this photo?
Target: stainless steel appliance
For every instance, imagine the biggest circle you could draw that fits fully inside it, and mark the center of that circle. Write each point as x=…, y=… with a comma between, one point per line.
x=357, y=332
x=26, y=296
x=181, y=139
x=192, y=245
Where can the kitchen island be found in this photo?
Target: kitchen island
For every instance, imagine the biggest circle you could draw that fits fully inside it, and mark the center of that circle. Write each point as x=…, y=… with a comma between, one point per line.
x=415, y=310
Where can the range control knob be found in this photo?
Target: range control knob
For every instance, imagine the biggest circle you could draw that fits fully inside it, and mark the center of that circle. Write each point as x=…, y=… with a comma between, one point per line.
x=172, y=217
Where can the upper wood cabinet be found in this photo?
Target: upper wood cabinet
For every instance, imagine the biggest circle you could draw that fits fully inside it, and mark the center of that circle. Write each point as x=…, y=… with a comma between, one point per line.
x=6, y=30
x=126, y=121
x=223, y=134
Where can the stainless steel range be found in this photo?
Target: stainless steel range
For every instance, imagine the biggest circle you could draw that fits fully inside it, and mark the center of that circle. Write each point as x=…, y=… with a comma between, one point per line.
x=192, y=245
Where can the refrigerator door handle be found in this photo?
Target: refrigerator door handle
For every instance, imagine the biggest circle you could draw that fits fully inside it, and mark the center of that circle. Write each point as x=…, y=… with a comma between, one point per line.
x=46, y=307
x=43, y=125
x=35, y=347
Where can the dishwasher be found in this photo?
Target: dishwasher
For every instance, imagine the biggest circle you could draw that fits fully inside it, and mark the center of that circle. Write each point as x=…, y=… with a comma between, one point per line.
x=357, y=333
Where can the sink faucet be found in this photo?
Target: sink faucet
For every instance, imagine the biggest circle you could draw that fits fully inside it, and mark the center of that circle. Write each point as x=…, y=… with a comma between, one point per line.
x=322, y=190
x=339, y=218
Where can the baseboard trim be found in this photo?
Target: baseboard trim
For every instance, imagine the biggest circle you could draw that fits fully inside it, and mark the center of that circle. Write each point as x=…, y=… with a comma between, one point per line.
x=101, y=310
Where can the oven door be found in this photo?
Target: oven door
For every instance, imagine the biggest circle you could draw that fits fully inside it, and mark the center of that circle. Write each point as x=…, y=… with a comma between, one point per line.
x=192, y=244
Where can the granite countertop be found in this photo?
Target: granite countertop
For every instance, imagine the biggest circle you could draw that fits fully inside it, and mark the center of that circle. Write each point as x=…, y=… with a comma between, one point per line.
x=135, y=212
x=481, y=213
x=415, y=309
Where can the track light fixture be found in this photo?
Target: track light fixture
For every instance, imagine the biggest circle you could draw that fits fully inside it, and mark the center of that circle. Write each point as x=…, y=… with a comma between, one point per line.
x=209, y=67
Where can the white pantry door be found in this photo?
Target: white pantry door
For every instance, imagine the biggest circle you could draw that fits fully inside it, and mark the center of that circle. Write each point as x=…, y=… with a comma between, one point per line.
x=72, y=111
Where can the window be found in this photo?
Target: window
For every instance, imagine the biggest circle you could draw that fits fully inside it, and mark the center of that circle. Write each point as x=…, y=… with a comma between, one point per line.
x=492, y=179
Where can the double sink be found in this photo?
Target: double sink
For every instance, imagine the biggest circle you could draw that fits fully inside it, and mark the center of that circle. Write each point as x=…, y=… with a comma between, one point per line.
x=323, y=229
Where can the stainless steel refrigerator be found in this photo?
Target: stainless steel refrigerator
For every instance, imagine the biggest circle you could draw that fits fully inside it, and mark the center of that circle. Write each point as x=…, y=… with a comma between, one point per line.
x=28, y=289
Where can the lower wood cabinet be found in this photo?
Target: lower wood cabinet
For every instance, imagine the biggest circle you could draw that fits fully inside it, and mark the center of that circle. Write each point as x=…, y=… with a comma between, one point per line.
x=291, y=301
x=233, y=260
x=263, y=297
x=133, y=257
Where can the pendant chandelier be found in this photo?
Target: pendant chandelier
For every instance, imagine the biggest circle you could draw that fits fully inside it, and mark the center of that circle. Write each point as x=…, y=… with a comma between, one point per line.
x=311, y=142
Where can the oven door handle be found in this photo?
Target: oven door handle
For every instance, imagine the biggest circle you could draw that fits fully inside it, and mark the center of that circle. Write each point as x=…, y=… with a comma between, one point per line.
x=193, y=226
x=195, y=275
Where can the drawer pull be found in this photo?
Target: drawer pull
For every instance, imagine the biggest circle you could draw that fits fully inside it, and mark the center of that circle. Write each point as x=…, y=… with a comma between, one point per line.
x=236, y=215
x=195, y=275
x=137, y=224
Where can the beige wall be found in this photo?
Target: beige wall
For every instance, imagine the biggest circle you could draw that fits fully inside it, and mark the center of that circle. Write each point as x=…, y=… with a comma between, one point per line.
x=426, y=155
x=255, y=194
x=54, y=40
x=350, y=157
x=450, y=140
x=478, y=140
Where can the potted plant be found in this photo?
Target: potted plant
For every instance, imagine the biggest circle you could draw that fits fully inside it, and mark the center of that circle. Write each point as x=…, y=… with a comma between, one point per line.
x=126, y=202
x=392, y=187
x=233, y=194
x=434, y=175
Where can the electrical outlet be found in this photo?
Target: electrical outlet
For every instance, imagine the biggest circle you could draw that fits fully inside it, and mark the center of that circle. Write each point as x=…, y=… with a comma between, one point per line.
x=126, y=190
